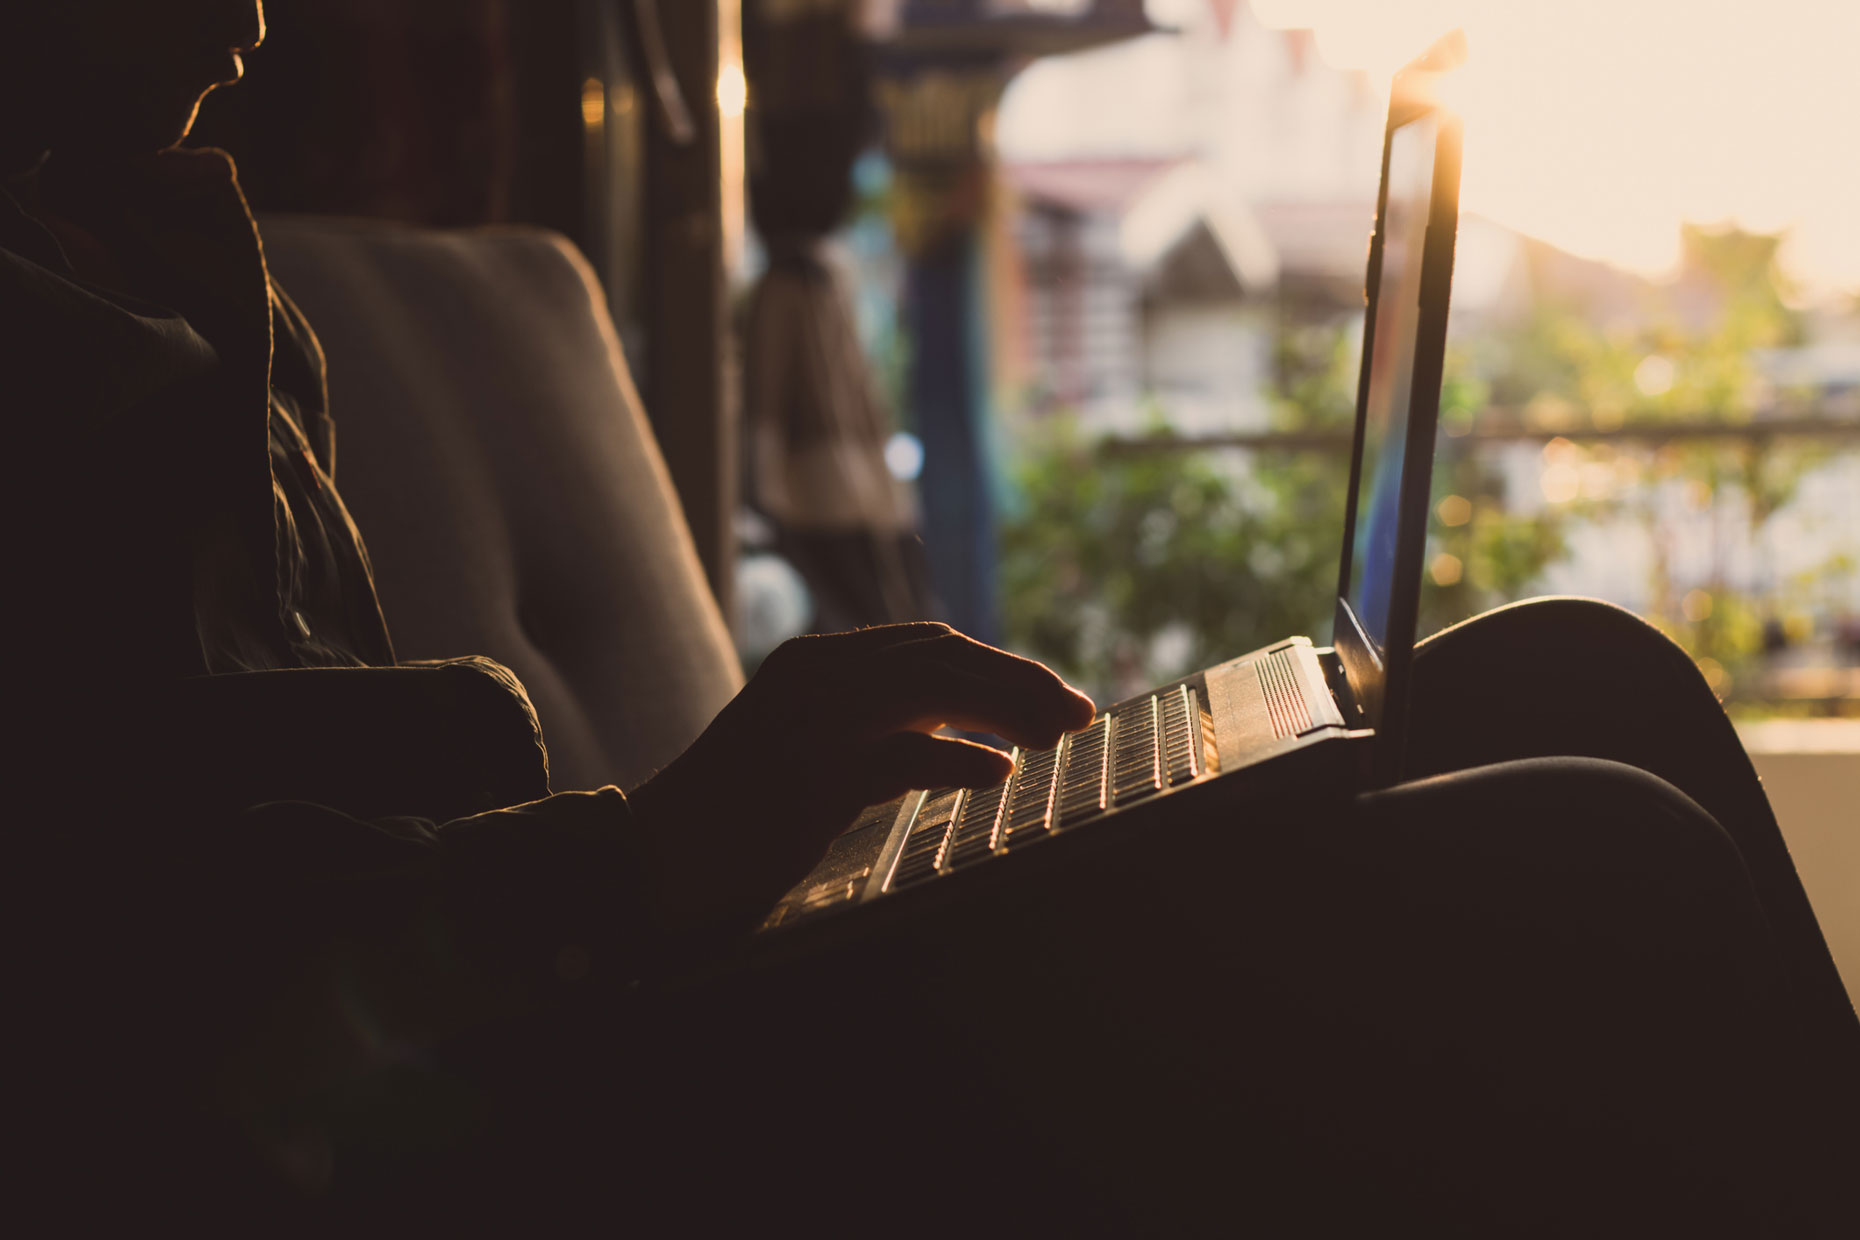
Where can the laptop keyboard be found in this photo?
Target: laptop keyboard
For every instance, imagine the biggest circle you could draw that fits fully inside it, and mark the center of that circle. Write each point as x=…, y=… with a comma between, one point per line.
x=1133, y=752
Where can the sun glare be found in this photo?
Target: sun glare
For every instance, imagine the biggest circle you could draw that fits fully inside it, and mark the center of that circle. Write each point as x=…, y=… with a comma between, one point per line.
x=1600, y=125
x=732, y=89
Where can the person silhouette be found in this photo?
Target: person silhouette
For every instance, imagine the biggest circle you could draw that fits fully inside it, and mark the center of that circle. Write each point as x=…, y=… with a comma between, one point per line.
x=171, y=401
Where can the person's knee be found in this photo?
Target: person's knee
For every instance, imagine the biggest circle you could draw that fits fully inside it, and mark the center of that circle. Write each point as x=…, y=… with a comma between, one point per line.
x=1560, y=676
x=1596, y=846
x=1576, y=632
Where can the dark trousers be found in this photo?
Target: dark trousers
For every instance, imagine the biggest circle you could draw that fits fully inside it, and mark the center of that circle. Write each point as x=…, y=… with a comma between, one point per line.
x=1578, y=678
x=1562, y=981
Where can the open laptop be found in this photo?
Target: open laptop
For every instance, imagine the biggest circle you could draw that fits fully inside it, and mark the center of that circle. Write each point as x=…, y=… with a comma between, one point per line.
x=1288, y=716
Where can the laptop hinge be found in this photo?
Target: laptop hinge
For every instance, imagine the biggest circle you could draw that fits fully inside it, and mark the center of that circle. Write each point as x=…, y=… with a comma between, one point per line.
x=1339, y=685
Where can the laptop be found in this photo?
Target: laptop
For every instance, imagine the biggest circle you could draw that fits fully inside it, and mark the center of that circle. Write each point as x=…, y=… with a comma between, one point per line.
x=1286, y=717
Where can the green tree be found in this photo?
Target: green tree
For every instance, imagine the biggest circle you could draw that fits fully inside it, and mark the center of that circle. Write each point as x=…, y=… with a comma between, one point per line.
x=1692, y=351
x=1126, y=567
x=1127, y=564
x=1123, y=566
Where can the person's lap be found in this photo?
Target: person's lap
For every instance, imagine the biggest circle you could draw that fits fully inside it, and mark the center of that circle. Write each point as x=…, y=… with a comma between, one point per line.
x=1526, y=991
x=1407, y=1012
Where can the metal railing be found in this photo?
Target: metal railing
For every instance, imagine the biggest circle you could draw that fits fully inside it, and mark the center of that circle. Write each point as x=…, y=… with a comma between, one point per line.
x=1504, y=429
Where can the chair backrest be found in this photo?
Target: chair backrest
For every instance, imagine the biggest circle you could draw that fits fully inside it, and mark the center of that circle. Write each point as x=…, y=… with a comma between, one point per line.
x=495, y=454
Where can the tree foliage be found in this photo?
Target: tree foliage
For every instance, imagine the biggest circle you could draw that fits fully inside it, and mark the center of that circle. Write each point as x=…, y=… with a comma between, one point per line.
x=1692, y=352
x=1122, y=567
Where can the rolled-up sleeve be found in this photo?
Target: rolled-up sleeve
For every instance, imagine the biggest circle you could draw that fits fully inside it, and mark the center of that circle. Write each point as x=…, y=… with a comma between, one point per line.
x=435, y=740
x=358, y=861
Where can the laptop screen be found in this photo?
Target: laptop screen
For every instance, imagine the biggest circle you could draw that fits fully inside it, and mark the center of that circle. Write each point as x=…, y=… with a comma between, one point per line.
x=1390, y=375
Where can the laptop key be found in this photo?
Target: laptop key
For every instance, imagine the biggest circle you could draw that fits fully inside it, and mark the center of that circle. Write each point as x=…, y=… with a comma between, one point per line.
x=1082, y=781
x=927, y=843
x=924, y=847
x=1136, y=770
x=1032, y=801
x=923, y=859
x=910, y=872
x=828, y=896
x=927, y=849
x=976, y=827
x=1030, y=805
x=1180, y=713
x=939, y=807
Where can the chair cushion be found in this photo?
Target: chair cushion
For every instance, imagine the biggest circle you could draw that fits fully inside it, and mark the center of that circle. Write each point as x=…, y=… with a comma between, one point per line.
x=495, y=454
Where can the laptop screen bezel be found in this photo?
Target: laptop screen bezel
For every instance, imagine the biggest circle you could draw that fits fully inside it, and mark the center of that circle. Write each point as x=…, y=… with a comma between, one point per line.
x=1378, y=681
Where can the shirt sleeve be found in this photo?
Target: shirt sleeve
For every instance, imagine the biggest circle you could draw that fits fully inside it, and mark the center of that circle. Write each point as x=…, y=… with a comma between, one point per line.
x=352, y=862
x=356, y=942
x=439, y=740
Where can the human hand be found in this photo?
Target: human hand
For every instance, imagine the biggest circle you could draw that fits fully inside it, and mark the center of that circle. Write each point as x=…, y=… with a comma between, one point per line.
x=829, y=725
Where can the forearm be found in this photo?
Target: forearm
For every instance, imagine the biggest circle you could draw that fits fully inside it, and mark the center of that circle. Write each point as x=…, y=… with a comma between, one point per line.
x=437, y=741
x=350, y=943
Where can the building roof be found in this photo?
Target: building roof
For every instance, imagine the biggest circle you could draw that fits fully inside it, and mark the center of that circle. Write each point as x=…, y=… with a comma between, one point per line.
x=1160, y=206
x=1186, y=203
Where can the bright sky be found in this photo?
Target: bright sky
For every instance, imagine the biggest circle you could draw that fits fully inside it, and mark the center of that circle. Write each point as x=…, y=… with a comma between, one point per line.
x=1599, y=125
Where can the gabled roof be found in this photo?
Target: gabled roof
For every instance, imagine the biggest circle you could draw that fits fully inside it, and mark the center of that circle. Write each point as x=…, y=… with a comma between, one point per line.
x=1160, y=205
x=1184, y=200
